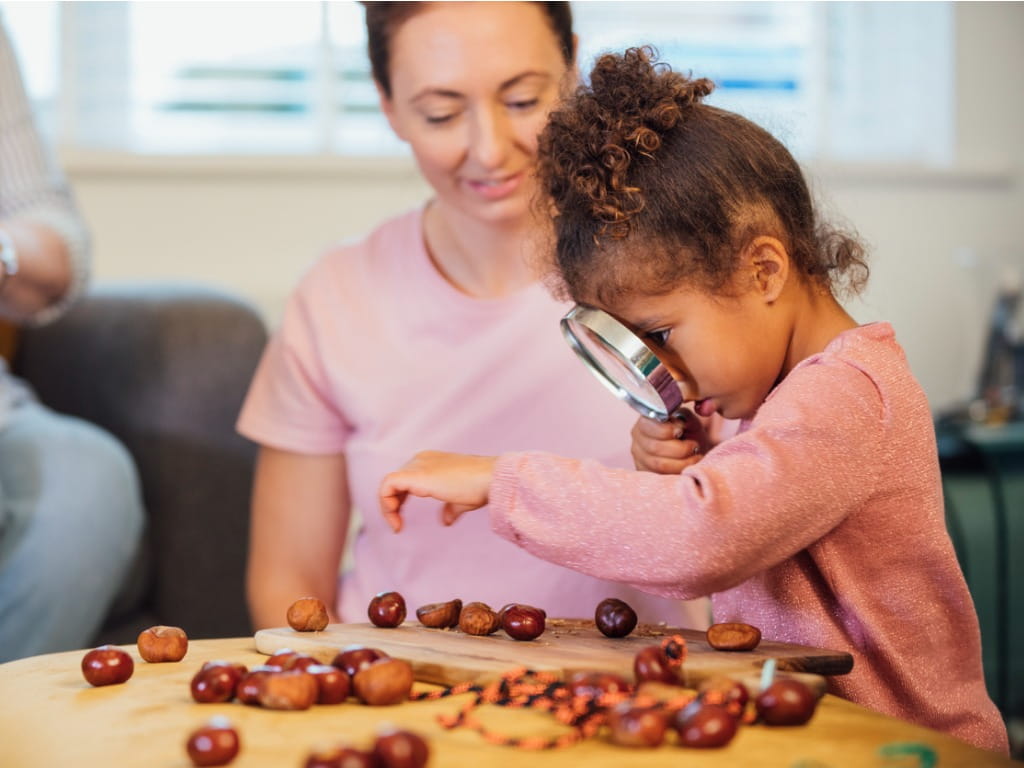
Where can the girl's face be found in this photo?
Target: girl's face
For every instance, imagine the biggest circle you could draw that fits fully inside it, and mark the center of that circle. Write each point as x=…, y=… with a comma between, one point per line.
x=726, y=352
x=471, y=85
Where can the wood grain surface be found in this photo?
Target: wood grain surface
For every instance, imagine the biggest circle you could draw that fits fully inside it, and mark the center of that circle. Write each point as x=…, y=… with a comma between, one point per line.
x=49, y=716
x=567, y=645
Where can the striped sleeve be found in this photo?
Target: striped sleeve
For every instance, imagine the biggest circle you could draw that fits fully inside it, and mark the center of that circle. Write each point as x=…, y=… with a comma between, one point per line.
x=32, y=186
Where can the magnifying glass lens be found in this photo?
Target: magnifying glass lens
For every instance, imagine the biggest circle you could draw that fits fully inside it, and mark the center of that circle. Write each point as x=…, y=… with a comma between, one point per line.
x=622, y=362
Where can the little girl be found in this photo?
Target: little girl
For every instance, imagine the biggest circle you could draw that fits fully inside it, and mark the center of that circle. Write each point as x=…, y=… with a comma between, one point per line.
x=821, y=521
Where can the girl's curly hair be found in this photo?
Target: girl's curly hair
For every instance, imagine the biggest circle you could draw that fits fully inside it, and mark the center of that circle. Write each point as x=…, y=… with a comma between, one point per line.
x=637, y=159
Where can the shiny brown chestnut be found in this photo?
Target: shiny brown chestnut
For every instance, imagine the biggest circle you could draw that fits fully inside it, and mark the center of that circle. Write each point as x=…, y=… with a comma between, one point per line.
x=726, y=692
x=160, y=643
x=400, y=749
x=440, y=615
x=733, y=636
x=216, y=681
x=332, y=684
x=215, y=743
x=340, y=757
x=633, y=726
x=282, y=658
x=107, y=665
x=786, y=702
x=614, y=617
x=653, y=664
x=522, y=622
x=704, y=725
x=384, y=682
x=386, y=609
x=307, y=614
x=593, y=685
x=289, y=689
x=478, y=619
x=248, y=689
x=353, y=658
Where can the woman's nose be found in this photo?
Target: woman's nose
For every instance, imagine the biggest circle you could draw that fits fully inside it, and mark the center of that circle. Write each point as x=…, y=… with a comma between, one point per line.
x=490, y=138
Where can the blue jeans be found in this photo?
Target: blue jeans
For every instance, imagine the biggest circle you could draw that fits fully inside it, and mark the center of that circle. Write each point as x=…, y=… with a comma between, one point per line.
x=71, y=520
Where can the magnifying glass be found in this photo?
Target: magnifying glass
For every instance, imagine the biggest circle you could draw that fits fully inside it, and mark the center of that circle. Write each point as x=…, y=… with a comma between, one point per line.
x=622, y=362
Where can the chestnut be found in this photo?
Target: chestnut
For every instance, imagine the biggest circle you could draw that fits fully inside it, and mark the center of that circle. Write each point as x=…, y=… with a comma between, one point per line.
x=440, y=615
x=726, y=692
x=522, y=622
x=248, y=688
x=478, y=619
x=160, y=643
x=216, y=681
x=594, y=685
x=107, y=665
x=384, y=682
x=353, y=658
x=704, y=725
x=282, y=658
x=400, y=749
x=288, y=689
x=733, y=636
x=387, y=609
x=307, y=614
x=614, y=617
x=332, y=683
x=633, y=726
x=340, y=757
x=653, y=664
x=215, y=743
x=786, y=702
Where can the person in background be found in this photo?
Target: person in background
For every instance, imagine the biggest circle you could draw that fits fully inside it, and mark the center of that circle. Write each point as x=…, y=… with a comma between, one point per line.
x=71, y=514
x=432, y=330
x=821, y=522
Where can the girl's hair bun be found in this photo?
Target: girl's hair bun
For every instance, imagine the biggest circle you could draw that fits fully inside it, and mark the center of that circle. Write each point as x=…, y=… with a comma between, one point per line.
x=624, y=115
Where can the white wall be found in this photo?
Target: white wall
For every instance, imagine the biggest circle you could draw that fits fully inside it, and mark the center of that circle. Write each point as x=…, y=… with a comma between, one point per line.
x=936, y=239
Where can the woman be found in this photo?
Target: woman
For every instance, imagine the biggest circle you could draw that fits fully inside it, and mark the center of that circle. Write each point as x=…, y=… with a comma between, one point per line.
x=434, y=330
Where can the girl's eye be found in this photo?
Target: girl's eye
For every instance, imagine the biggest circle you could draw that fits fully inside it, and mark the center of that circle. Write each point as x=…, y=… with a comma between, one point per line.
x=523, y=104
x=660, y=338
x=439, y=119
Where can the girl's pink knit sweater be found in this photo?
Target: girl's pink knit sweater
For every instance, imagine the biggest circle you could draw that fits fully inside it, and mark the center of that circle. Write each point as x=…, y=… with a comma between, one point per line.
x=821, y=522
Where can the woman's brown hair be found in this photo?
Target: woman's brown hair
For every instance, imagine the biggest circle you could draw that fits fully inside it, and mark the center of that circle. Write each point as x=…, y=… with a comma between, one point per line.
x=637, y=156
x=384, y=18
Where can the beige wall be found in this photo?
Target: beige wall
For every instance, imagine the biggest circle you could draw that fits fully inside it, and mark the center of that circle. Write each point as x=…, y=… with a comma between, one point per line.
x=253, y=226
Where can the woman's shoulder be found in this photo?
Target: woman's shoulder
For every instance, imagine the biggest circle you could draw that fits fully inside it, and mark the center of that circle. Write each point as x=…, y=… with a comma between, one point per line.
x=376, y=251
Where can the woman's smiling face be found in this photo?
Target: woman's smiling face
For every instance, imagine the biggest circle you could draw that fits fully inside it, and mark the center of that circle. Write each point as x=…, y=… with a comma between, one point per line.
x=471, y=88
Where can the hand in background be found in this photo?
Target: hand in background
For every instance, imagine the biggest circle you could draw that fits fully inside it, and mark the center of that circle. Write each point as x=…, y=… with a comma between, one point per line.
x=462, y=482
x=668, y=447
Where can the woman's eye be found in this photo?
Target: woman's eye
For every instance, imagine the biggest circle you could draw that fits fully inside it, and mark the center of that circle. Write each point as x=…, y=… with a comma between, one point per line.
x=660, y=338
x=438, y=119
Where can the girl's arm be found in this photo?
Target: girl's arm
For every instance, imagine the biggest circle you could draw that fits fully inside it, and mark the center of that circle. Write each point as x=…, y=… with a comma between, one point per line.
x=300, y=516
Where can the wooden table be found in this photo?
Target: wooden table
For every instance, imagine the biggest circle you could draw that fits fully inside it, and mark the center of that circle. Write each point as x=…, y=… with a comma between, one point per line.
x=49, y=716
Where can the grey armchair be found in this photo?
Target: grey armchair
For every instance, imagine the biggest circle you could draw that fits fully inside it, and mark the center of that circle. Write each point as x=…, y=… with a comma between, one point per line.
x=165, y=369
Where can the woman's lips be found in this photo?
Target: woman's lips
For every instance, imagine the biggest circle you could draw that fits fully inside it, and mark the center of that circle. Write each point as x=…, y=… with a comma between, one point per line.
x=495, y=189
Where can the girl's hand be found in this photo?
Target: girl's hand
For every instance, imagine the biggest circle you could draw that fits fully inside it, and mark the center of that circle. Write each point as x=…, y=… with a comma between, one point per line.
x=668, y=447
x=461, y=482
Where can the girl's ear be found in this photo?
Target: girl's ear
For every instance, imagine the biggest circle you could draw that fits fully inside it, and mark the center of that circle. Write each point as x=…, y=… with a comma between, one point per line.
x=769, y=264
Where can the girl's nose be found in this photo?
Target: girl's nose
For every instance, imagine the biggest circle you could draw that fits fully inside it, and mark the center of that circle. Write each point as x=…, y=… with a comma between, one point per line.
x=490, y=138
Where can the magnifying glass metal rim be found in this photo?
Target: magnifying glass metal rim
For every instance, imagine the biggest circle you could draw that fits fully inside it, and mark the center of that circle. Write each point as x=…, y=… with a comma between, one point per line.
x=632, y=353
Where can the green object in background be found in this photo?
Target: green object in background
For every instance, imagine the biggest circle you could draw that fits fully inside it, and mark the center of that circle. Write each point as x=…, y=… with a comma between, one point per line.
x=909, y=754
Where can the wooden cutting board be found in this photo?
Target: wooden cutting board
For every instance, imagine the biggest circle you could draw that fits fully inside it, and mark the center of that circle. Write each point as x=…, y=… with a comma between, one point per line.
x=447, y=657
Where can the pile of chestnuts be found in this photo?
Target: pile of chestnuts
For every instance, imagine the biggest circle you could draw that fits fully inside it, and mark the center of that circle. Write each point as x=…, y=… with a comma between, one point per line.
x=519, y=621
x=294, y=681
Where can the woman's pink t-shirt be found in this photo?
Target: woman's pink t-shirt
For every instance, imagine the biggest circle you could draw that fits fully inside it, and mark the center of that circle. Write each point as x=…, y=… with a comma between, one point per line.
x=379, y=357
